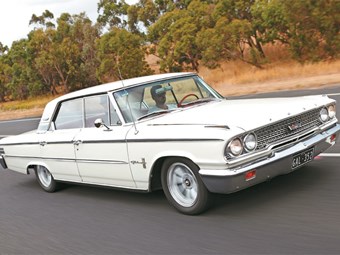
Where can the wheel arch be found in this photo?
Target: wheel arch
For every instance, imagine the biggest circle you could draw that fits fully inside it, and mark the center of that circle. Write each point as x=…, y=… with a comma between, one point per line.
x=156, y=169
x=32, y=166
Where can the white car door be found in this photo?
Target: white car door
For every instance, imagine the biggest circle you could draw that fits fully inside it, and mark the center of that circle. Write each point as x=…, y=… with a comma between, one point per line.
x=57, y=152
x=102, y=156
x=101, y=153
x=57, y=144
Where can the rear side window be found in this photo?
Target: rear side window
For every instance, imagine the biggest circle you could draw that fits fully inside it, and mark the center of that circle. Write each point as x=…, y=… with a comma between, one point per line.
x=70, y=115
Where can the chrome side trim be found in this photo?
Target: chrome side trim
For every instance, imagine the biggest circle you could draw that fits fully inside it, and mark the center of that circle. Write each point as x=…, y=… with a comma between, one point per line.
x=93, y=161
x=188, y=124
x=12, y=144
x=173, y=140
x=40, y=158
x=73, y=160
x=151, y=140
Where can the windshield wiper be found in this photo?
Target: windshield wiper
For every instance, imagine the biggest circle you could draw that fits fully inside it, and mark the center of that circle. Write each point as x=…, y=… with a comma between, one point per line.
x=155, y=113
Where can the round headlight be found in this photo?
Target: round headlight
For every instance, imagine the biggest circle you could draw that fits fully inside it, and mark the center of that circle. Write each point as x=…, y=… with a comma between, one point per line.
x=331, y=111
x=250, y=142
x=324, y=115
x=235, y=147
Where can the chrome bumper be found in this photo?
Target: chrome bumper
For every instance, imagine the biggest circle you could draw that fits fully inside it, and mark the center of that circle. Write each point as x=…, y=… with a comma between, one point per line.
x=278, y=163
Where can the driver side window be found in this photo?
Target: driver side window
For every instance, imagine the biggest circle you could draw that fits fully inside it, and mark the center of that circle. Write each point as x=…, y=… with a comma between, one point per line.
x=100, y=107
x=96, y=107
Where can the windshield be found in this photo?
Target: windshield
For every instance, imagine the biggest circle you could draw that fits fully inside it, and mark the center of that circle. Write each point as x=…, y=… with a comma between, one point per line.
x=167, y=95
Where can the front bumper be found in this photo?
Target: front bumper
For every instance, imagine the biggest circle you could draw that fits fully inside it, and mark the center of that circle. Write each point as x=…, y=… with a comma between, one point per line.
x=279, y=163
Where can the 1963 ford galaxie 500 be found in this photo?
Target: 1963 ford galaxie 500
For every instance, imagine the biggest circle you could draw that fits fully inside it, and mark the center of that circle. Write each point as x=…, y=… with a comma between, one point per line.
x=171, y=132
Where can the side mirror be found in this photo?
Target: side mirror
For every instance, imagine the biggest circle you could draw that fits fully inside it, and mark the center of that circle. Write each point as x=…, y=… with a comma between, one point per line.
x=99, y=123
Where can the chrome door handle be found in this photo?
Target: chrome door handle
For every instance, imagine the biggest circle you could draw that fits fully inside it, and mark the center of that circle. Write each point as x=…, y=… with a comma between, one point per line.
x=77, y=142
x=42, y=143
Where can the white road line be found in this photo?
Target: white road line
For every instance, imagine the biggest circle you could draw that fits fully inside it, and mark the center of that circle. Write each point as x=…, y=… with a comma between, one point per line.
x=330, y=155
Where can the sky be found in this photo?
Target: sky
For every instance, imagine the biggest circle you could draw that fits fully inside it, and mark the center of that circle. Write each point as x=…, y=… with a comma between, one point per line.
x=16, y=14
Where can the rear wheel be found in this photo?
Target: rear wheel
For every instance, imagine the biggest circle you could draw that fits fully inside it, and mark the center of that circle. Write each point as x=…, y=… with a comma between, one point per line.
x=45, y=179
x=183, y=187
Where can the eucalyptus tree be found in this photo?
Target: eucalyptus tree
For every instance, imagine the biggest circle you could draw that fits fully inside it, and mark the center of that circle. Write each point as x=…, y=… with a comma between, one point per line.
x=21, y=70
x=309, y=28
x=86, y=35
x=112, y=13
x=313, y=28
x=174, y=36
x=121, y=54
x=5, y=71
x=237, y=14
x=64, y=54
x=46, y=19
x=3, y=49
x=226, y=41
x=41, y=44
x=74, y=51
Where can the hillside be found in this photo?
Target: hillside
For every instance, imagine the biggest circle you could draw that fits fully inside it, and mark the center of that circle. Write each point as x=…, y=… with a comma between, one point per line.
x=244, y=79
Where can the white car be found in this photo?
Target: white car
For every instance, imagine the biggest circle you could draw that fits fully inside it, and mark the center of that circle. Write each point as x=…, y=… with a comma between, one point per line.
x=171, y=132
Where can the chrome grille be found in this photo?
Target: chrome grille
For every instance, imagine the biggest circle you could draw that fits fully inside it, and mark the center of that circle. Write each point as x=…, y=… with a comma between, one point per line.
x=280, y=131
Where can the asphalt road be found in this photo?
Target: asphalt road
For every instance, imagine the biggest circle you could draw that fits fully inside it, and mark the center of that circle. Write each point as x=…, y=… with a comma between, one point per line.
x=292, y=214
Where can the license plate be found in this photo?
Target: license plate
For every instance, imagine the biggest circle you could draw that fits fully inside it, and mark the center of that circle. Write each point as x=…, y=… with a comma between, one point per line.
x=302, y=158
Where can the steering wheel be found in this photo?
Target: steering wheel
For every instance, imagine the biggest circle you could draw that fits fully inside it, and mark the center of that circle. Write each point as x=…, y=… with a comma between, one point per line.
x=185, y=97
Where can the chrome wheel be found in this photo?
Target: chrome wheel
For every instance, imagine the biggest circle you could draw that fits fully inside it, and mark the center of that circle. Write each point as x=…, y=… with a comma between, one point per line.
x=45, y=179
x=183, y=187
x=182, y=184
x=44, y=176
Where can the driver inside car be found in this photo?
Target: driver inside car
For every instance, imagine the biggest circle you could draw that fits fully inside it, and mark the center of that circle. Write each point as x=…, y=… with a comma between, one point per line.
x=158, y=94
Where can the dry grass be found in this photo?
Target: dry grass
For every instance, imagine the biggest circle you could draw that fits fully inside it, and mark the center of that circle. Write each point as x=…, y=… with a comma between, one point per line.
x=32, y=107
x=281, y=73
x=239, y=78
x=37, y=102
x=241, y=73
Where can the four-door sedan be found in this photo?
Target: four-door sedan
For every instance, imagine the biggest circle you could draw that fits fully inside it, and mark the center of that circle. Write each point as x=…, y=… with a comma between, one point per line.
x=171, y=132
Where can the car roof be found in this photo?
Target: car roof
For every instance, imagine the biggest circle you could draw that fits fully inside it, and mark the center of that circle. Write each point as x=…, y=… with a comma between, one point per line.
x=104, y=88
x=120, y=84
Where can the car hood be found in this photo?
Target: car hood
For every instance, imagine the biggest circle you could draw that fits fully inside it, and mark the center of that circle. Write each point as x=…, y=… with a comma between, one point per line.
x=246, y=114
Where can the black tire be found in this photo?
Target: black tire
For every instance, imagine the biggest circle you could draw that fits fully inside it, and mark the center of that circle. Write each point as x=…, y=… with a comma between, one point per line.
x=183, y=186
x=45, y=179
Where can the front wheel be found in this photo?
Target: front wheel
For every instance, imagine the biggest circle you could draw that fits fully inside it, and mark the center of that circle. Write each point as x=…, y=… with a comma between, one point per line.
x=183, y=187
x=45, y=179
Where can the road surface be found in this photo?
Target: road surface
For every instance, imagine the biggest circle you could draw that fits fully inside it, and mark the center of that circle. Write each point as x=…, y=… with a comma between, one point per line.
x=297, y=213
